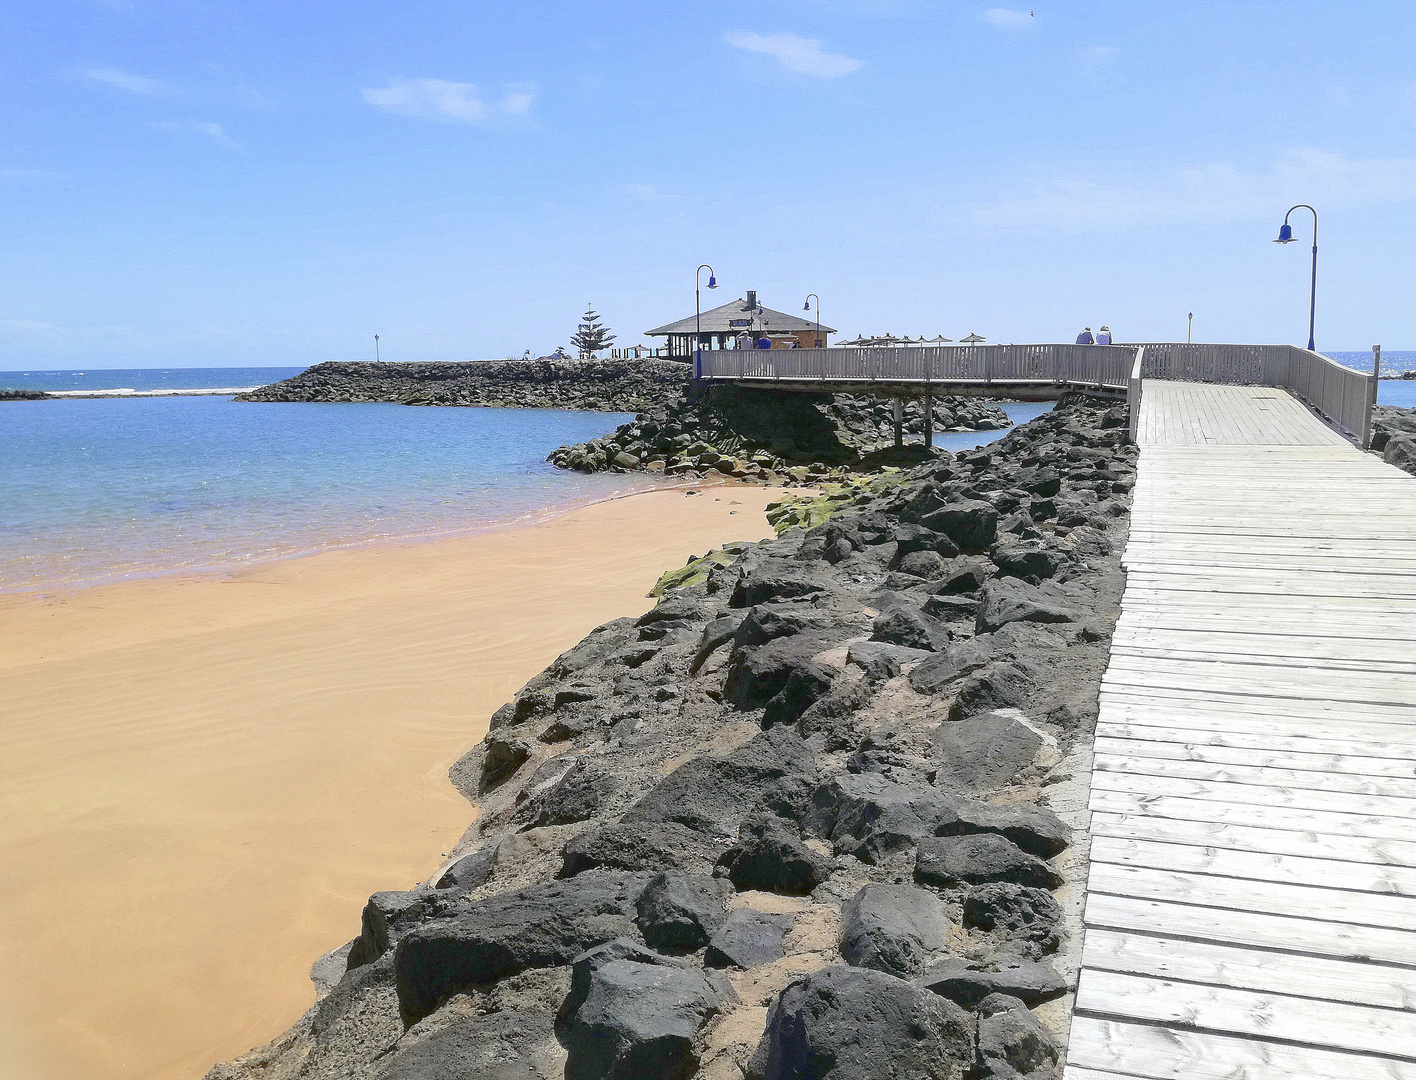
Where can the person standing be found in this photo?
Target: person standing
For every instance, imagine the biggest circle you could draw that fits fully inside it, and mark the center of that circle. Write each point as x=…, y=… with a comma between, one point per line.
x=1085, y=337
x=1103, y=336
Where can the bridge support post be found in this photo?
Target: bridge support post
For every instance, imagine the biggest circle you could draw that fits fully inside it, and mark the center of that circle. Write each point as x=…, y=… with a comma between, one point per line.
x=899, y=422
x=928, y=418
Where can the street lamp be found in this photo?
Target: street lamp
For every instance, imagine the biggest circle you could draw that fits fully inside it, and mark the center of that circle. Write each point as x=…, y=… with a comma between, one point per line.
x=376, y=350
x=1285, y=236
x=807, y=307
x=698, y=318
x=1189, y=326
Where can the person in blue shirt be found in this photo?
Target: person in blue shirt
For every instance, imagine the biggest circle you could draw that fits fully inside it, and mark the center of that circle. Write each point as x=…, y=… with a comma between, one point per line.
x=1103, y=337
x=1085, y=337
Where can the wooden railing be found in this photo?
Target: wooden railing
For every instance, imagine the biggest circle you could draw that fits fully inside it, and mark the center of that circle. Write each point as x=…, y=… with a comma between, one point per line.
x=1103, y=366
x=1340, y=395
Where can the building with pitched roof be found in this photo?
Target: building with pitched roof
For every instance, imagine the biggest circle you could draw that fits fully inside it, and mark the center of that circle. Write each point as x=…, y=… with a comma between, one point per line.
x=734, y=325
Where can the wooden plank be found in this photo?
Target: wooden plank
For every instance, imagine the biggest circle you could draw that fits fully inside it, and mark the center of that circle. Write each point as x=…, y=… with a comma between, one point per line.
x=1305, y=798
x=1336, y=905
x=1281, y=818
x=1262, y=741
x=1322, y=777
x=1251, y=969
x=1290, y=869
x=1247, y=838
x=1328, y=1024
x=1115, y=1049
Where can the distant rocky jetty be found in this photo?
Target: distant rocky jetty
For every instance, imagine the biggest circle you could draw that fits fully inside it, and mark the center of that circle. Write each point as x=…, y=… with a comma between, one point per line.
x=807, y=817
x=767, y=435
x=1394, y=436
x=23, y=395
x=590, y=385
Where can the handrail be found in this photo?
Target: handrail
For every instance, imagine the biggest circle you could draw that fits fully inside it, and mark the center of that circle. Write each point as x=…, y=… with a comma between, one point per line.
x=1133, y=393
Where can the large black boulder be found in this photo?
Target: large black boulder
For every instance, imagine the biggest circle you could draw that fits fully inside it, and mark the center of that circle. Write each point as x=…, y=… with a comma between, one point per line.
x=985, y=751
x=638, y=1020
x=389, y=915
x=971, y=524
x=508, y=1045
x=937, y=672
x=967, y=982
x=881, y=660
x=577, y=795
x=905, y=625
x=1007, y=600
x=771, y=856
x=893, y=928
x=502, y=757
x=748, y=938
x=805, y=686
x=776, y=579
x=713, y=794
x=658, y=845
x=538, y=926
x=846, y=1023
x=678, y=912
x=1012, y=1044
x=1027, y=914
x=978, y=859
x=758, y=673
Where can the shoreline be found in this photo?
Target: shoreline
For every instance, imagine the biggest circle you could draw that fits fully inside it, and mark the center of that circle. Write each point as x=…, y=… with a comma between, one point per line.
x=205, y=775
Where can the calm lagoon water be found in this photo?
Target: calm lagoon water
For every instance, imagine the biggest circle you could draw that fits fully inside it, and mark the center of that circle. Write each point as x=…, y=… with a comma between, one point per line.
x=100, y=489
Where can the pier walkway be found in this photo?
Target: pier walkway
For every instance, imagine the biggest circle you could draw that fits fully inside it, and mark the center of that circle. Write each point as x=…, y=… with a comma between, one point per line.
x=1251, y=910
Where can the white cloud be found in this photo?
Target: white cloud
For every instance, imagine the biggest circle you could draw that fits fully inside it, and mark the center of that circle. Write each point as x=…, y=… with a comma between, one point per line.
x=1007, y=18
x=803, y=56
x=125, y=80
x=1206, y=192
x=215, y=132
x=451, y=102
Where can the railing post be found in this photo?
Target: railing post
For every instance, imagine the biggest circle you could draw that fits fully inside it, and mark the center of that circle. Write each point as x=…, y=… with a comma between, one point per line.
x=1372, y=397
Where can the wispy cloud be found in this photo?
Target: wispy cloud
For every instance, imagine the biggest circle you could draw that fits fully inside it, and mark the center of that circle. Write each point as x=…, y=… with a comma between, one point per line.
x=215, y=132
x=1206, y=192
x=804, y=56
x=451, y=102
x=126, y=80
x=1007, y=18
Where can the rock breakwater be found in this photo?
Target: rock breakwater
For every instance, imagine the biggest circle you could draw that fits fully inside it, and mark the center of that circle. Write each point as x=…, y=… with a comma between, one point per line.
x=590, y=385
x=1394, y=436
x=768, y=435
x=792, y=822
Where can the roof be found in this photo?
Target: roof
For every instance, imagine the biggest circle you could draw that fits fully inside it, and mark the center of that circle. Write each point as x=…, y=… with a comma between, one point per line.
x=720, y=320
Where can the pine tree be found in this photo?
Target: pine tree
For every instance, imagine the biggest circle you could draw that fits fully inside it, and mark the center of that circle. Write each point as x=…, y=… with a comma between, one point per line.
x=590, y=336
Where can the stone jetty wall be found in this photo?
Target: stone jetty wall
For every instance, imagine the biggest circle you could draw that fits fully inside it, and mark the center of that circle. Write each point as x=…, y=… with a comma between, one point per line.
x=1394, y=436
x=591, y=385
x=801, y=819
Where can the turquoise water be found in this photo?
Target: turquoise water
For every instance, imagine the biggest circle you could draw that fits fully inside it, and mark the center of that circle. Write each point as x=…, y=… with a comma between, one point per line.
x=96, y=490
x=145, y=378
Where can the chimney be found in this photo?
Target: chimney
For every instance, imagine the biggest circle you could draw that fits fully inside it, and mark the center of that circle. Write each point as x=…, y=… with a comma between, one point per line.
x=752, y=298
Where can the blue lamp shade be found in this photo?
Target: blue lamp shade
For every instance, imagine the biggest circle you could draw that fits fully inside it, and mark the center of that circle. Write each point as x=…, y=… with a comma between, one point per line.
x=806, y=306
x=1285, y=234
x=713, y=281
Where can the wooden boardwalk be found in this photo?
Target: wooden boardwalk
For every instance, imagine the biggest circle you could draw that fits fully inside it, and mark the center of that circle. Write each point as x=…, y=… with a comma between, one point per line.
x=1251, y=908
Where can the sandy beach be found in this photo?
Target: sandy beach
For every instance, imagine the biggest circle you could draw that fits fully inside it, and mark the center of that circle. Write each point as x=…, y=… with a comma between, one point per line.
x=202, y=779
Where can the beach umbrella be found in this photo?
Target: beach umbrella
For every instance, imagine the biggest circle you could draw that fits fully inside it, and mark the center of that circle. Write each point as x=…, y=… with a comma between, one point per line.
x=940, y=339
x=972, y=339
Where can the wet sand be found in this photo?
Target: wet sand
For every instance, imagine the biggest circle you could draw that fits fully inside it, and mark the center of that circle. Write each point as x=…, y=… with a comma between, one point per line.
x=202, y=779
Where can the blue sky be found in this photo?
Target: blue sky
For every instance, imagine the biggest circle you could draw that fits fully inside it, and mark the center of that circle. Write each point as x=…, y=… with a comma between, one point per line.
x=207, y=183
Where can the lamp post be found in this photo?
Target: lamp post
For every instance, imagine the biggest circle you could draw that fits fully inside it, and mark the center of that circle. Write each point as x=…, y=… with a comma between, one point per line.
x=807, y=307
x=376, y=350
x=698, y=318
x=1285, y=236
x=1189, y=326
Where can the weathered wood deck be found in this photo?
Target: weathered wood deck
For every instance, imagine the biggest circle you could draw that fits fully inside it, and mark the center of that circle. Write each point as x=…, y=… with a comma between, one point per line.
x=1251, y=907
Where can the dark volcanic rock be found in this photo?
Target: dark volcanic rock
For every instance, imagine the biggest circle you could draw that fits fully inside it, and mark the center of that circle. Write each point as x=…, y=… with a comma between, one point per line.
x=659, y=845
x=1025, y=913
x=908, y=626
x=389, y=915
x=934, y=674
x=881, y=660
x=776, y=581
x=502, y=758
x=577, y=795
x=807, y=684
x=844, y=1023
x=679, y=912
x=538, y=926
x=893, y=928
x=469, y=871
x=974, y=860
x=758, y=674
x=714, y=794
x=967, y=983
x=748, y=938
x=771, y=856
x=1007, y=600
x=984, y=752
x=1004, y=687
x=971, y=524
x=509, y=1045
x=1012, y=1045
x=640, y=1020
